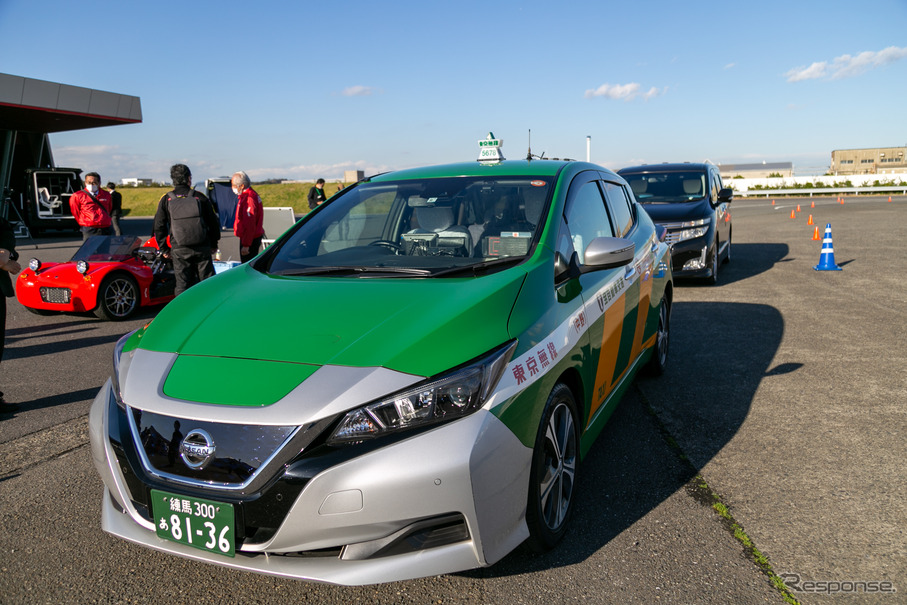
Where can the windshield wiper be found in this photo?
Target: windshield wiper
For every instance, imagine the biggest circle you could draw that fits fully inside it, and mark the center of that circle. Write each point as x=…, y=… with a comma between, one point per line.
x=351, y=271
x=478, y=268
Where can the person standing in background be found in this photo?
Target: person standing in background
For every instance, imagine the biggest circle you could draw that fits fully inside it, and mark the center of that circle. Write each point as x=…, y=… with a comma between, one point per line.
x=249, y=220
x=190, y=221
x=91, y=207
x=8, y=265
x=116, y=208
x=316, y=194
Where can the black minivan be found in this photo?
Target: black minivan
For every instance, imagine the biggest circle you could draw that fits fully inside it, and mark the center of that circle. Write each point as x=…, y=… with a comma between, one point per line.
x=690, y=201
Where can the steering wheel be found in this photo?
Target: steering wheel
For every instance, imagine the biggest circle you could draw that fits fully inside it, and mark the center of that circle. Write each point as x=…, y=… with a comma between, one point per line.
x=386, y=243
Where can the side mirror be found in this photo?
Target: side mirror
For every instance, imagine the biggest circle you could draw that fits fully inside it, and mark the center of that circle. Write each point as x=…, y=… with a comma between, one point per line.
x=726, y=196
x=608, y=253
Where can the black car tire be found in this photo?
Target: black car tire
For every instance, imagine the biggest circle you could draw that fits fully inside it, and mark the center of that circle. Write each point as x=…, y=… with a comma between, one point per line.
x=552, y=478
x=659, y=360
x=713, y=278
x=118, y=297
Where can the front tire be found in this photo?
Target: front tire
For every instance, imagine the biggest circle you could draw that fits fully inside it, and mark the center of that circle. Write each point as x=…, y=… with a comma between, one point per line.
x=659, y=360
x=118, y=297
x=552, y=479
x=713, y=278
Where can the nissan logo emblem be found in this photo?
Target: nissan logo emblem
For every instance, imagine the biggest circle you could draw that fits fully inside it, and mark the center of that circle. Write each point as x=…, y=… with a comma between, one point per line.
x=197, y=449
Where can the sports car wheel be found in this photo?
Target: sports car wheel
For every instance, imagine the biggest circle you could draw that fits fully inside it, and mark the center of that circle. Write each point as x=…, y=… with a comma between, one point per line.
x=552, y=478
x=118, y=297
x=659, y=360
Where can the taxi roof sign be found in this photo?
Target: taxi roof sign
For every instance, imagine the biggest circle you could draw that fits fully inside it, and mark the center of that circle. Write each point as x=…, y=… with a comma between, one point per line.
x=490, y=149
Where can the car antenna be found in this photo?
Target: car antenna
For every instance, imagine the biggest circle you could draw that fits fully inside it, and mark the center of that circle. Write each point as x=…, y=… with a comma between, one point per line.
x=529, y=155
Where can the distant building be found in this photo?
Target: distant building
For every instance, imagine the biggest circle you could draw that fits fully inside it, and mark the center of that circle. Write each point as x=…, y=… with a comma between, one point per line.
x=353, y=176
x=136, y=182
x=756, y=171
x=875, y=160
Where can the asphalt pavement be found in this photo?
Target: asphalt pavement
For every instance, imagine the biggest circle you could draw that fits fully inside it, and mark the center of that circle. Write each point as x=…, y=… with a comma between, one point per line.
x=782, y=402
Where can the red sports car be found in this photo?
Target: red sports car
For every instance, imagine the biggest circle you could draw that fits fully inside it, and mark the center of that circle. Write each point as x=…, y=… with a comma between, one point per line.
x=110, y=275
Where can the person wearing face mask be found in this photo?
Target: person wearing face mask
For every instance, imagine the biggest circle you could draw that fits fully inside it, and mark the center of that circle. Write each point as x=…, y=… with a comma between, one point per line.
x=91, y=207
x=248, y=224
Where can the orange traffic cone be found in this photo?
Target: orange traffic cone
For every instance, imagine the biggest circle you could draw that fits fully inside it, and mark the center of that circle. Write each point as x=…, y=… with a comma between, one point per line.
x=841, y=199
x=773, y=202
x=816, y=235
x=812, y=205
x=793, y=214
x=810, y=221
x=889, y=199
x=798, y=207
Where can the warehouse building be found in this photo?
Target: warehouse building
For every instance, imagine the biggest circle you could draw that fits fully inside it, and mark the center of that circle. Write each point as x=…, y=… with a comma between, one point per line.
x=875, y=160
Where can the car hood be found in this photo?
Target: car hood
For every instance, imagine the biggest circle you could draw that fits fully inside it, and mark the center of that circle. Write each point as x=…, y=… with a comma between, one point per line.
x=418, y=326
x=679, y=211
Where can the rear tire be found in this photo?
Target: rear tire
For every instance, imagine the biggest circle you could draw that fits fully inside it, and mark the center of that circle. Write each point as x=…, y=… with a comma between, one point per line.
x=118, y=297
x=552, y=478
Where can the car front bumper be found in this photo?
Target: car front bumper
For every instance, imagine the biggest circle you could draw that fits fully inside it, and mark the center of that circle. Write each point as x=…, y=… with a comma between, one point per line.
x=364, y=520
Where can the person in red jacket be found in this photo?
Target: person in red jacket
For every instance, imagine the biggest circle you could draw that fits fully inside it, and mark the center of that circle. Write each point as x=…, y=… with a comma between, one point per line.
x=249, y=221
x=91, y=207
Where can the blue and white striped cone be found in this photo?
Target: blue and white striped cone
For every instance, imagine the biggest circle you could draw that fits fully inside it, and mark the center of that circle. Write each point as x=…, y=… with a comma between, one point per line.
x=827, y=258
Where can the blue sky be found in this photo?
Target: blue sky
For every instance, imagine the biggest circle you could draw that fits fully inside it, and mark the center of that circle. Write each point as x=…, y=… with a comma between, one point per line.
x=310, y=89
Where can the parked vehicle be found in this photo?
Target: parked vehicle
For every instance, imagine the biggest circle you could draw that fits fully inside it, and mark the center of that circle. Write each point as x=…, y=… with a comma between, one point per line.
x=113, y=276
x=691, y=202
x=402, y=385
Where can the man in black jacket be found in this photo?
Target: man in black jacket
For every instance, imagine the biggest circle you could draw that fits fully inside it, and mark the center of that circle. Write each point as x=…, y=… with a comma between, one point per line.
x=8, y=265
x=189, y=219
x=116, y=209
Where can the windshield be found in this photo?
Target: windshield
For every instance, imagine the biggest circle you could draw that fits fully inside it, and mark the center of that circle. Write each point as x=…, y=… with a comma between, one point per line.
x=667, y=187
x=418, y=228
x=107, y=248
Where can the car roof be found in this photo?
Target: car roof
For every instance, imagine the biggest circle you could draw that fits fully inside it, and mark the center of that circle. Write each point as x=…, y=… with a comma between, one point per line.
x=497, y=169
x=667, y=167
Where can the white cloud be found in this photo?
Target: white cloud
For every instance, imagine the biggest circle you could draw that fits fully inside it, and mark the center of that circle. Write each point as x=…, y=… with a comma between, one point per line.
x=730, y=65
x=623, y=92
x=847, y=66
x=357, y=91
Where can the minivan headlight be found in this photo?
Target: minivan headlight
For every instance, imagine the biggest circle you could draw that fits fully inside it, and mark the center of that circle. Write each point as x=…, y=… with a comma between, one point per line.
x=449, y=397
x=694, y=229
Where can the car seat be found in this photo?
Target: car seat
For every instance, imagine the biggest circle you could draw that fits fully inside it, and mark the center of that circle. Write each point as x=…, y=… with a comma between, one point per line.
x=440, y=220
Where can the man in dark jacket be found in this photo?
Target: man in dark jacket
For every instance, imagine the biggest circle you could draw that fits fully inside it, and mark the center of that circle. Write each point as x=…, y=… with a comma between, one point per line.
x=189, y=219
x=316, y=194
x=8, y=265
x=116, y=208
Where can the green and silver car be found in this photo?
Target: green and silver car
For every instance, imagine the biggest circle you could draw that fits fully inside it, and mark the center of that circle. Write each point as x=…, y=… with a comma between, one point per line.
x=402, y=385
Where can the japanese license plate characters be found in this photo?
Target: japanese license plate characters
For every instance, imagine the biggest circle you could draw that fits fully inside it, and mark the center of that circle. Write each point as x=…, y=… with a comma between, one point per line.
x=202, y=524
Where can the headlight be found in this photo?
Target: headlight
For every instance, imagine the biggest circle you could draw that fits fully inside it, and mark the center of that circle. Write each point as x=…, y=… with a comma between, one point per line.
x=449, y=397
x=34, y=264
x=82, y=267
x=694, y=229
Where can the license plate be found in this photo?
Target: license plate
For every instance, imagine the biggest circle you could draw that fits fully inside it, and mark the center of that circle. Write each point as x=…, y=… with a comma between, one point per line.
x=199, y=523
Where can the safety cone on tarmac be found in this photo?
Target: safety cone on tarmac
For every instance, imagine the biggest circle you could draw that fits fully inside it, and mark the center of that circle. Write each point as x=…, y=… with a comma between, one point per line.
x=812, y=205
x=793, y=214
x=827, y=258
x=816, y=235
x=841, y=200
x=889, y=199
x=798, y=207
x=773, y=202
x=810, y=221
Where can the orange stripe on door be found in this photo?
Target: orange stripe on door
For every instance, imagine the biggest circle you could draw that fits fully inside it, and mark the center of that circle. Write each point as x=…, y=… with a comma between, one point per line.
x=607, y=359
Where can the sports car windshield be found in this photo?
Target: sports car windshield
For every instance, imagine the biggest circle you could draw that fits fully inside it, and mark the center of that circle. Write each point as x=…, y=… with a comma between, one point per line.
x=418, y=228
x=667, y=187
x=107, y=248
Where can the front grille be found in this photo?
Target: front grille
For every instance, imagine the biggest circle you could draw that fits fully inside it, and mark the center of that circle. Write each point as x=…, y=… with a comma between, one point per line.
x=237, y=451
x=56, y=295
x=673, y=234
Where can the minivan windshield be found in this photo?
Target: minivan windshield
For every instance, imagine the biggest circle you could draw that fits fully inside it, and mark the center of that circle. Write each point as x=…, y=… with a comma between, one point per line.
x=667, y=187
x=418, y=228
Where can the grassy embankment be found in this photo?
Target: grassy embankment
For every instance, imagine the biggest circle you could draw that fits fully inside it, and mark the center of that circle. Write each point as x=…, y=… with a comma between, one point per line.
x=142, y=201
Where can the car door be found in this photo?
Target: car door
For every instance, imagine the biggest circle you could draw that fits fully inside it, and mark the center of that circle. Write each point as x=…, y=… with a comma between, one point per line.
x=604, y=292
x=722, y=218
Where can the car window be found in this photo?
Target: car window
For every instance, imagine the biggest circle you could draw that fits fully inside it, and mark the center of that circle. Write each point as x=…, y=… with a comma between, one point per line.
x=668, y=187
x=621, y=211
x=716, y=186
x=417, y=227
x=586, y=217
